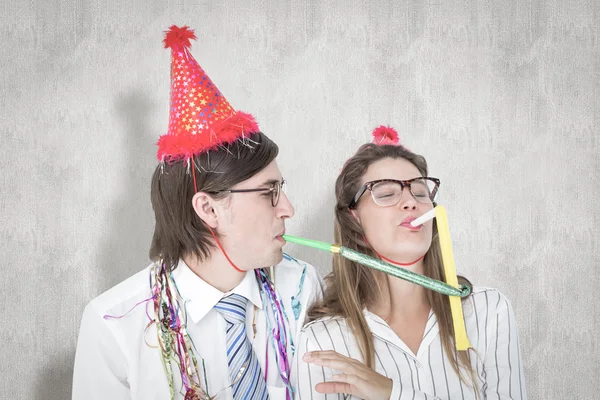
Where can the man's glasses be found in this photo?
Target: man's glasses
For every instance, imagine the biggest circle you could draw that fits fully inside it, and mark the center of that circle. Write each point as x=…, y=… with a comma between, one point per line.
x=275, y=189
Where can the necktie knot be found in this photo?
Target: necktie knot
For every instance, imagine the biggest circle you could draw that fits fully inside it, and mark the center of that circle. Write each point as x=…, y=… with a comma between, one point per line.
x=233, y=308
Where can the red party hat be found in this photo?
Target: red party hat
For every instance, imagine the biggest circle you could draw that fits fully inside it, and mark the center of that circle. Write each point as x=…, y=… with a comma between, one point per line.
x=200, y=117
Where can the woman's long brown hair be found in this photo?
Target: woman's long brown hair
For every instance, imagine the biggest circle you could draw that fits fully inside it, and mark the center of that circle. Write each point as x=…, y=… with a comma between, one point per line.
x=352, y=287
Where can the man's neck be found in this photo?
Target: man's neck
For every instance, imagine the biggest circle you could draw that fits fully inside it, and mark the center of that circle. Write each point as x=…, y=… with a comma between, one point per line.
x=215, y=270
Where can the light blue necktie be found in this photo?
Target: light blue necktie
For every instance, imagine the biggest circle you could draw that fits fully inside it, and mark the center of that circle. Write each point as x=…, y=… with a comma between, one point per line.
x=249, y=382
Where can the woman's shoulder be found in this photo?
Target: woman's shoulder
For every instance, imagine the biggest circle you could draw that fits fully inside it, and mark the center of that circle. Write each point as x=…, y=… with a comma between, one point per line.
x=488, y=300
x=480, y=293
x=329, y=333
x=323, y=325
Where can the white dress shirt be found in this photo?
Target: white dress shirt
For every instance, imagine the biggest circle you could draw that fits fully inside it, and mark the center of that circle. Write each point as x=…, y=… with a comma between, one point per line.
x=117, y=358
x=492, y=332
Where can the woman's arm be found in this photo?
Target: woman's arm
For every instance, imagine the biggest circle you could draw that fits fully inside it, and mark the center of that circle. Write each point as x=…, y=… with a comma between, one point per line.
x=503, y=364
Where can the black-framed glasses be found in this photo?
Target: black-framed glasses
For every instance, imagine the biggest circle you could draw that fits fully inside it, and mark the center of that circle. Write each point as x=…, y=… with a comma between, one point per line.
x=275, y=189
x=388, y=192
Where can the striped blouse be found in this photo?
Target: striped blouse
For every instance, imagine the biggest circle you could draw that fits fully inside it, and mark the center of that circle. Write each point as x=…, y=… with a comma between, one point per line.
x=492, y=332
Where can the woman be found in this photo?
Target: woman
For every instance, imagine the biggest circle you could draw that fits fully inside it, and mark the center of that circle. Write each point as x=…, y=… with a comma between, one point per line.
x=374, y=336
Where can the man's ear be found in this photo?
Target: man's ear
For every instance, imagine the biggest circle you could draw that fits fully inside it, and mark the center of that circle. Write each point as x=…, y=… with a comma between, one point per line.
x=203, y=205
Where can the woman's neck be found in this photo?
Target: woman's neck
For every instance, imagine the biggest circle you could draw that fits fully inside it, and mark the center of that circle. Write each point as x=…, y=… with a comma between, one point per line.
x=399, y=298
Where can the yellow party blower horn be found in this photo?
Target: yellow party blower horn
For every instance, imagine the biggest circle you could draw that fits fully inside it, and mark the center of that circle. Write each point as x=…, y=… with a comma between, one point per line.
x=441, y=219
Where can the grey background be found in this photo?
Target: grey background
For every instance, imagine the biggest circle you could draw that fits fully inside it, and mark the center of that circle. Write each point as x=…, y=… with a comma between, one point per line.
x=502, y=97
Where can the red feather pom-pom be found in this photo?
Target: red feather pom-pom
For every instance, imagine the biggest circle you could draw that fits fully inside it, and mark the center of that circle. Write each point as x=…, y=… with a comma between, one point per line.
x=385, y=135
x=177, y=37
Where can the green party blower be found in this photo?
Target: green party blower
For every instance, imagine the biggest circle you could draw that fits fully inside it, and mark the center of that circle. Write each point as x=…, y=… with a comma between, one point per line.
x=382, y=266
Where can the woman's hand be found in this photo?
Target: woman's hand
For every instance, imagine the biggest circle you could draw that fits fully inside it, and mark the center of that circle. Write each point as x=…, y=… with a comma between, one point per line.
x=356, y=379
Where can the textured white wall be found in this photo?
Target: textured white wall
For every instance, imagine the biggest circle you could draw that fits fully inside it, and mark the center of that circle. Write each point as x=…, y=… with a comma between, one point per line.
x=502, y=97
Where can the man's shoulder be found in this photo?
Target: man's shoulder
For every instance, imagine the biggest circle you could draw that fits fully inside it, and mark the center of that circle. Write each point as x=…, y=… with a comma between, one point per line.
x=299, y=284
x=296, y=271
x=134, y=289
x=294, y=266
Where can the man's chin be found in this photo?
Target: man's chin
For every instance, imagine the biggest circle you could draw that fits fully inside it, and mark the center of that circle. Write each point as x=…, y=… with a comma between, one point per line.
x=276, y=258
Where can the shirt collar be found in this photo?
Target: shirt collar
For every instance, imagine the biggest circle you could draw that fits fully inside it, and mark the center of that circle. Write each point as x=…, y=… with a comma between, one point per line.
x=200, y=297
x=381, y=328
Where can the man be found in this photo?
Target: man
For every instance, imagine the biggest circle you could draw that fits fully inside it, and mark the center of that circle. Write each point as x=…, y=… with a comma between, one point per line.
x=206, y=318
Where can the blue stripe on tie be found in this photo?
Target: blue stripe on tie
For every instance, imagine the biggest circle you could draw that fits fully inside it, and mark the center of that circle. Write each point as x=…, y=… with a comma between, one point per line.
x=234, y=309
x=231, y=307
x=242, y=333
x=245, y=382
x=224, y=303
x=229, y=310
x=232, y=356
x=236, y=298
x=253, y=387
x=234, y=303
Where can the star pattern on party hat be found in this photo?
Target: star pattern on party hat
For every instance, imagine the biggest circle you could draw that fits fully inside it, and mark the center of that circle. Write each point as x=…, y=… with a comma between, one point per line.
x=200, y=117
